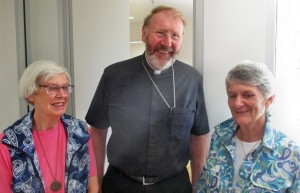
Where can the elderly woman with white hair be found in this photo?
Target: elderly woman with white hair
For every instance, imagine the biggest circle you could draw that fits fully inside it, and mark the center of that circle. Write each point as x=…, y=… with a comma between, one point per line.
x=246, y=153
x=47, y=150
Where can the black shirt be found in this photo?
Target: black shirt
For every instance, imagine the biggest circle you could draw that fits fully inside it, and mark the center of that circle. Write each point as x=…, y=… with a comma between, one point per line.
x=147, y=138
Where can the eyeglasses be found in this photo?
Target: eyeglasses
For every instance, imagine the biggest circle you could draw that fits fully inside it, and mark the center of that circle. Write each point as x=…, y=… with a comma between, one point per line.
x=54, y=89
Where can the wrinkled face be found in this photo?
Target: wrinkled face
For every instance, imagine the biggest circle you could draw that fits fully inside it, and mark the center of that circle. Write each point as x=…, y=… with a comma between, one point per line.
x=247, y=104
x=163, y=38
x=51, y=105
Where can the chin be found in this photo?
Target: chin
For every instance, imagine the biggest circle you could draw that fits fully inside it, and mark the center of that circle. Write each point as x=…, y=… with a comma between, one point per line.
x=61, y=112
x=241, y=120
x=162, y=62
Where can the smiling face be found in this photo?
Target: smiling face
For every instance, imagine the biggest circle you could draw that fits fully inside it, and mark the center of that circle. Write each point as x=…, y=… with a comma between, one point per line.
x=163, y=38
x=52, y=106
x=247, y=105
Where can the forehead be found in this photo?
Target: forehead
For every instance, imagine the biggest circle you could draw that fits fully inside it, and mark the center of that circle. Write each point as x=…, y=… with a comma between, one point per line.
x=239, y=87
x=56, y=78
x=166, y=20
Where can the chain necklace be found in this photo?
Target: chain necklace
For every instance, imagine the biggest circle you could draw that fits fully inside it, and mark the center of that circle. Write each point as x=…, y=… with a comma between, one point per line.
x=55, y=185
x=156, y=87
x=244, y=148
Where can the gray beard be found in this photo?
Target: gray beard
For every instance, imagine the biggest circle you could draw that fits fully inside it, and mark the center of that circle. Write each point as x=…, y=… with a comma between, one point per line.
x=156, y=65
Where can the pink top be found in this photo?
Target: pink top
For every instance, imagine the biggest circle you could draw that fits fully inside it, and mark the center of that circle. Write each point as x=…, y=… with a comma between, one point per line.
x=54, y=143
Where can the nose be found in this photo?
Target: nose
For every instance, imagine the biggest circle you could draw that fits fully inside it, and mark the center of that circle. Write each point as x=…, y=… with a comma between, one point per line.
x=60, y=92
x=238, y=101
x=167, y=41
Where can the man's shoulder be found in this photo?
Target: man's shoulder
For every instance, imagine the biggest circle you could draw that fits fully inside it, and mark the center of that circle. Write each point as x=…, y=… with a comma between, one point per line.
x=124, y=63
x=123, y=68
x=182, y=65
x=186, y=70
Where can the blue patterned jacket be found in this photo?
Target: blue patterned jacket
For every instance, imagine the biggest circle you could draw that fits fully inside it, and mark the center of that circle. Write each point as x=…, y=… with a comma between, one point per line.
x=273, y=167
x=26, y=171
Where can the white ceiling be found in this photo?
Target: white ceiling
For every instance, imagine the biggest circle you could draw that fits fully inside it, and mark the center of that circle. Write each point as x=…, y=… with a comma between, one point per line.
x=139, y=9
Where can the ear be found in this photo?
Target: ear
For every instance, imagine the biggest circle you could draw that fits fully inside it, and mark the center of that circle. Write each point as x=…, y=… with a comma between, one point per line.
x=144, y=34
x=270, y=100
x=31, y=99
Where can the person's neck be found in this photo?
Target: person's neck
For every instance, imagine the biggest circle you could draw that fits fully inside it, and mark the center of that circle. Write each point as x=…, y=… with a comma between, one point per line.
x=42, y=124
x=250, y=134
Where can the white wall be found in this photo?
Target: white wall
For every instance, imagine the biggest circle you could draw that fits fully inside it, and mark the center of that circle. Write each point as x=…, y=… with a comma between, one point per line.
x=233, y=31
x=136, y=36
x=9, y=100
x=186, y=51
x=44, y=41
x=100, y=38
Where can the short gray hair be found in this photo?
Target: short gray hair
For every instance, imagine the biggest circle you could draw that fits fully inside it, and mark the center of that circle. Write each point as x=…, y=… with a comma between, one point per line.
x=42, y=69
x=252, y=73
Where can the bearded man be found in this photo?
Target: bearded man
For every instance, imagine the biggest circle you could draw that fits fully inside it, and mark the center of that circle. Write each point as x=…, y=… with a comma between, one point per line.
x=155, y=107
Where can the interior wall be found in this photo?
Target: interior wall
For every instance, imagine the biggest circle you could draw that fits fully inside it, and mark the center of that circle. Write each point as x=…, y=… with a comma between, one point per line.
x=97, y=42
x=9, y=100
x=100, y=38
x=137, y=47
x=233, y=31
x=186, y=51
x=44, y=41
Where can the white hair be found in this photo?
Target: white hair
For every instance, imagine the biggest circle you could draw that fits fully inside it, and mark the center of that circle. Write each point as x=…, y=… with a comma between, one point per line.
x=42, y=69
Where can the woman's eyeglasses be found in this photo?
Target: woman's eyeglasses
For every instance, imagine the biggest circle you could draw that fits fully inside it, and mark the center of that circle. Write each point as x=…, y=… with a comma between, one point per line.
x=54, y=89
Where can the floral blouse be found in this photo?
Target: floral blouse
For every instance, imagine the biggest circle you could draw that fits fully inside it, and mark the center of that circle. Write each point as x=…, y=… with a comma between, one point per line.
x=273, y=167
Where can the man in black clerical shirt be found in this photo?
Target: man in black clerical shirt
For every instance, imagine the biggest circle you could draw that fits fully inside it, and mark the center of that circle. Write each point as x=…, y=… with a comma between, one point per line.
x=155, y=107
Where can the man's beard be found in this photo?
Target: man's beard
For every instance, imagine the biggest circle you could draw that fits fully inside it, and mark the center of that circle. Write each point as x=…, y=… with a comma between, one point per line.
x=160, y=63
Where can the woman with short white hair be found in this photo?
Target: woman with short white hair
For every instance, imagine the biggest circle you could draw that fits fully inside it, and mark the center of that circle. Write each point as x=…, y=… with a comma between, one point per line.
x=246, y=153
x=47, y=150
